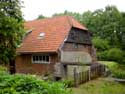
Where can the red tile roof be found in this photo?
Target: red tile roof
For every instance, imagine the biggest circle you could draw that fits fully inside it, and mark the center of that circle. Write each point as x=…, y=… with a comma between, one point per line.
x=55, y=29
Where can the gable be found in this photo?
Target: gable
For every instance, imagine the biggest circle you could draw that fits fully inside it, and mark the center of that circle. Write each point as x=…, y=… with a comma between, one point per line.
x=79, y=36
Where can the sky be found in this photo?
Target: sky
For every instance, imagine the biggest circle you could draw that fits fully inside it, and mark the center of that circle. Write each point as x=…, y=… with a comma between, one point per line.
x=33, y=8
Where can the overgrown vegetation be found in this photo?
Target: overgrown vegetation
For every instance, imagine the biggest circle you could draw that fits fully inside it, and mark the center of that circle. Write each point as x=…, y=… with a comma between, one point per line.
x=117, y=70
x=113, y=54
x=68, y=82
x=100, y=86
x=28, y=84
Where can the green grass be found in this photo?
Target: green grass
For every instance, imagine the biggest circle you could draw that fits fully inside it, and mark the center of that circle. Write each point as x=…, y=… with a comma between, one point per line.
x=100, y=86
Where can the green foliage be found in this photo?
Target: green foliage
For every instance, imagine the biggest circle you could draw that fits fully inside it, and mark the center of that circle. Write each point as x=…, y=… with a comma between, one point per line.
x=110, y=64
x=3, y=69
x=41, y=17
x=102, y=55
x=27, y=84
x=68, y=82
x=76, y=15
x=118, y=73
x=100, y=44
x=11, y=29
x=123, y=58
x=104, y=23
x=116, y=69
x=115, y=54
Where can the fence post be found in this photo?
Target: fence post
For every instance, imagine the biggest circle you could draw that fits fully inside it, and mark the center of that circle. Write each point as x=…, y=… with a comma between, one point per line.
x=75, y=77
x=89, y=74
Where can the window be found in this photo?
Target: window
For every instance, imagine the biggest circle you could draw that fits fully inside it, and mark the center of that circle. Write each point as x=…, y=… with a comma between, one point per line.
x=40, y=59
x=41, y=35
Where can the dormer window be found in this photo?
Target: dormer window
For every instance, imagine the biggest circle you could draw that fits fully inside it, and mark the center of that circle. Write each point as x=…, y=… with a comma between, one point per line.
x=41, y=35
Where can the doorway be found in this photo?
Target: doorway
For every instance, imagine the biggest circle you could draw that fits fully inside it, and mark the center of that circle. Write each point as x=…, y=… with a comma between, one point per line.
x=12, y=67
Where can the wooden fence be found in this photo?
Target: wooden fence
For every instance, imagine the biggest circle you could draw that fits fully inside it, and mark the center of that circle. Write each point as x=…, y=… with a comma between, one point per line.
x=95, y=71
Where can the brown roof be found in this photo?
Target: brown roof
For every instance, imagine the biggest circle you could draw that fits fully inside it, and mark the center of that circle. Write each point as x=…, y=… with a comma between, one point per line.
x=55, y=30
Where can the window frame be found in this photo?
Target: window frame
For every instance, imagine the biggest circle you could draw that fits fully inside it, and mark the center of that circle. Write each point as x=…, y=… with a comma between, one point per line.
x=40, y=61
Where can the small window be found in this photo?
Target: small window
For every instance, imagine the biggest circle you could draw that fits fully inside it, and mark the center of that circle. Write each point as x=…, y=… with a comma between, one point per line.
x=41, y=35
x=40, y=59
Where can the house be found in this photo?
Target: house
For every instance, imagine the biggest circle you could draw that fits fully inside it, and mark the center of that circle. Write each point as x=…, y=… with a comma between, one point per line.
x=51, y=44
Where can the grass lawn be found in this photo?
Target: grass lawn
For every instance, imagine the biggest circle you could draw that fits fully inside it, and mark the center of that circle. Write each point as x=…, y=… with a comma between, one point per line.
x=100, y=86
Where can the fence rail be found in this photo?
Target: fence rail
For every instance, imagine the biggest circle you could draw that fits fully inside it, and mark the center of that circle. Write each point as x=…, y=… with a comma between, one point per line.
x=95, y=71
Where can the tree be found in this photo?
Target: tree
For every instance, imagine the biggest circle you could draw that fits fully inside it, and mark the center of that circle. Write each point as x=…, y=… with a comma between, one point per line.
x=122, y=31
x=11, y=29
x=100, y=44
x=76, y=15
x=106, y=24
x=41, y=17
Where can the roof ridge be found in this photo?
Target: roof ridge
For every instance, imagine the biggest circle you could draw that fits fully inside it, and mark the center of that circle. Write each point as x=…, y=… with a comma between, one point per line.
x=69, y=21
x=48, y=18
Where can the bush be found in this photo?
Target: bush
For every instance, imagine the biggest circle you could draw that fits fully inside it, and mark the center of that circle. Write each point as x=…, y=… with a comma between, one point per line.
x=116, y=69
x=100, y=44
x=102, y=55
x=3, y=69
x=27, y=84
x=115, y=54
x=68, y=83
x=123, y=58
x=118, y=73
x=110, y=64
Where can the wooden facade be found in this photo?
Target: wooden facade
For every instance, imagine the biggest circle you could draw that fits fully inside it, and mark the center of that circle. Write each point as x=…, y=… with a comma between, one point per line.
x=79, y=36
x=25, y=65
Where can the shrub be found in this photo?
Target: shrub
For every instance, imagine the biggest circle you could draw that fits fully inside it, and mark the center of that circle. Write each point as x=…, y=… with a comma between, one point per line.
x=116, y=69
x=110, y=64
x=68, y=83
x=118, y=73
x=123, y=58
x=100, y=44
x=3, y=69
x=102, y=55
x=27, y=84
x=115, y=54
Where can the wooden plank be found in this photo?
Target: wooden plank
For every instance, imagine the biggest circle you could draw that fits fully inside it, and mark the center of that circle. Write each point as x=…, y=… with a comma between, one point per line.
x=75, y=77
